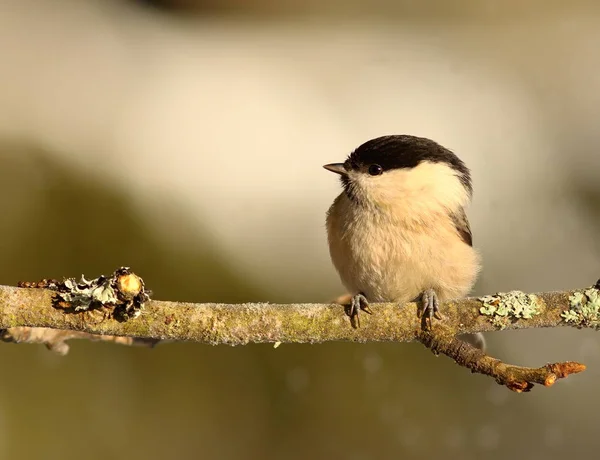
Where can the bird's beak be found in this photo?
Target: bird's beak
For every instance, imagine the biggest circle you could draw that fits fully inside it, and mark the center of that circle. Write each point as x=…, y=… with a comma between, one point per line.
x=338, y=168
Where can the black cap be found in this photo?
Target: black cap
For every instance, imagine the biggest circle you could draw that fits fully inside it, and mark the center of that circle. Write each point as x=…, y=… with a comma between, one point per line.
x=404, y=151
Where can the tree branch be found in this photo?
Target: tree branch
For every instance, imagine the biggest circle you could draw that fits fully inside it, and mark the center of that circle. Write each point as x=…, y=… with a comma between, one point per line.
x=240, y=324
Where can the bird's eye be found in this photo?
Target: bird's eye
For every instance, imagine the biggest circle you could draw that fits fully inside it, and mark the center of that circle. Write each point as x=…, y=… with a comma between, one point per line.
x=375, y=170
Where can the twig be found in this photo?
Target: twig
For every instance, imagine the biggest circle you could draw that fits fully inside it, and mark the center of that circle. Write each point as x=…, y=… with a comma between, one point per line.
x=240, y=324
x=55, y=339
x=516, y=378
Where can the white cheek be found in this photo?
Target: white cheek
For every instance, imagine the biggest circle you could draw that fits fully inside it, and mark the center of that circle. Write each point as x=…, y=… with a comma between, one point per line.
x=381, y=189
x=429, y=186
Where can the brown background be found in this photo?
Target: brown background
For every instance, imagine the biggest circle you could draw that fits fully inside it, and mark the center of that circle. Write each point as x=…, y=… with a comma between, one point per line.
x=185, y=139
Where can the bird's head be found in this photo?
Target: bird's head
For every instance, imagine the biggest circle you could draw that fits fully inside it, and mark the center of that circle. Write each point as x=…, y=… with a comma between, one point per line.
x=390, y=170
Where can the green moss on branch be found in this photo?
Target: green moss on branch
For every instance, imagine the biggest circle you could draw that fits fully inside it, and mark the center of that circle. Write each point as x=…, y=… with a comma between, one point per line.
x=240, y=324
x=35, y=315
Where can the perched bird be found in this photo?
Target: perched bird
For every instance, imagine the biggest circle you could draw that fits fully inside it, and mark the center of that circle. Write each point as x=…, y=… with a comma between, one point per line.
x=398, y=232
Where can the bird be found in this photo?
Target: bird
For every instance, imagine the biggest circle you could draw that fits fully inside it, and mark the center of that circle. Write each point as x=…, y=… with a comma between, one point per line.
x=398, y=232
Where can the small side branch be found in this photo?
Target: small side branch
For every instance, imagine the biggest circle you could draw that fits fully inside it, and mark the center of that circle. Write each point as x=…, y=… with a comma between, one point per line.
x=56, y=339
x=516, y=378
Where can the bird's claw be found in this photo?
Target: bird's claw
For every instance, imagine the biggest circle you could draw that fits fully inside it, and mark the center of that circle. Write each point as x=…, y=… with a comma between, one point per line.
x=359, y=302
x=430, y=307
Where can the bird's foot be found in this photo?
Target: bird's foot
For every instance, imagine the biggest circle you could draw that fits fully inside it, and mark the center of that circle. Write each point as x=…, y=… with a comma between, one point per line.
x=430, y=306
x=359, y=302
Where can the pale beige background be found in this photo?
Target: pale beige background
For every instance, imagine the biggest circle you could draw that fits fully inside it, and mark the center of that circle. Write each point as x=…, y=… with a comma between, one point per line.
x=188, y=143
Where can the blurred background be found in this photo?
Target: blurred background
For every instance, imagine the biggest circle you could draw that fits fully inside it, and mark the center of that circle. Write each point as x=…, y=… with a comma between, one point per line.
x=185, y=138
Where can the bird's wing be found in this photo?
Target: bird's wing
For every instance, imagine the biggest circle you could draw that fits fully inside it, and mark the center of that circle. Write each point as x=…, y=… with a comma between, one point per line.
x=462, y=226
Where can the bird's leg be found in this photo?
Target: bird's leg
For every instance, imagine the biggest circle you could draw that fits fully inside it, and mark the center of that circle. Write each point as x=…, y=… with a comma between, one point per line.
x=359, y=302
x=430, y=306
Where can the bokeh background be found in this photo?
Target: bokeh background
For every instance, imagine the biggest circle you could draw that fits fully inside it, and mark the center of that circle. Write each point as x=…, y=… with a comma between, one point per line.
x=185, y=139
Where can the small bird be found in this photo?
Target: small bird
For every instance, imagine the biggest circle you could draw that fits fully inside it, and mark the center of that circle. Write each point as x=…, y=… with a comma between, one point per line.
x=398, y=232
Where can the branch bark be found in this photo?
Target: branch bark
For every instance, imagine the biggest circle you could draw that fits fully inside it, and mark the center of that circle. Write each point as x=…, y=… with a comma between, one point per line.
x=240, y=324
